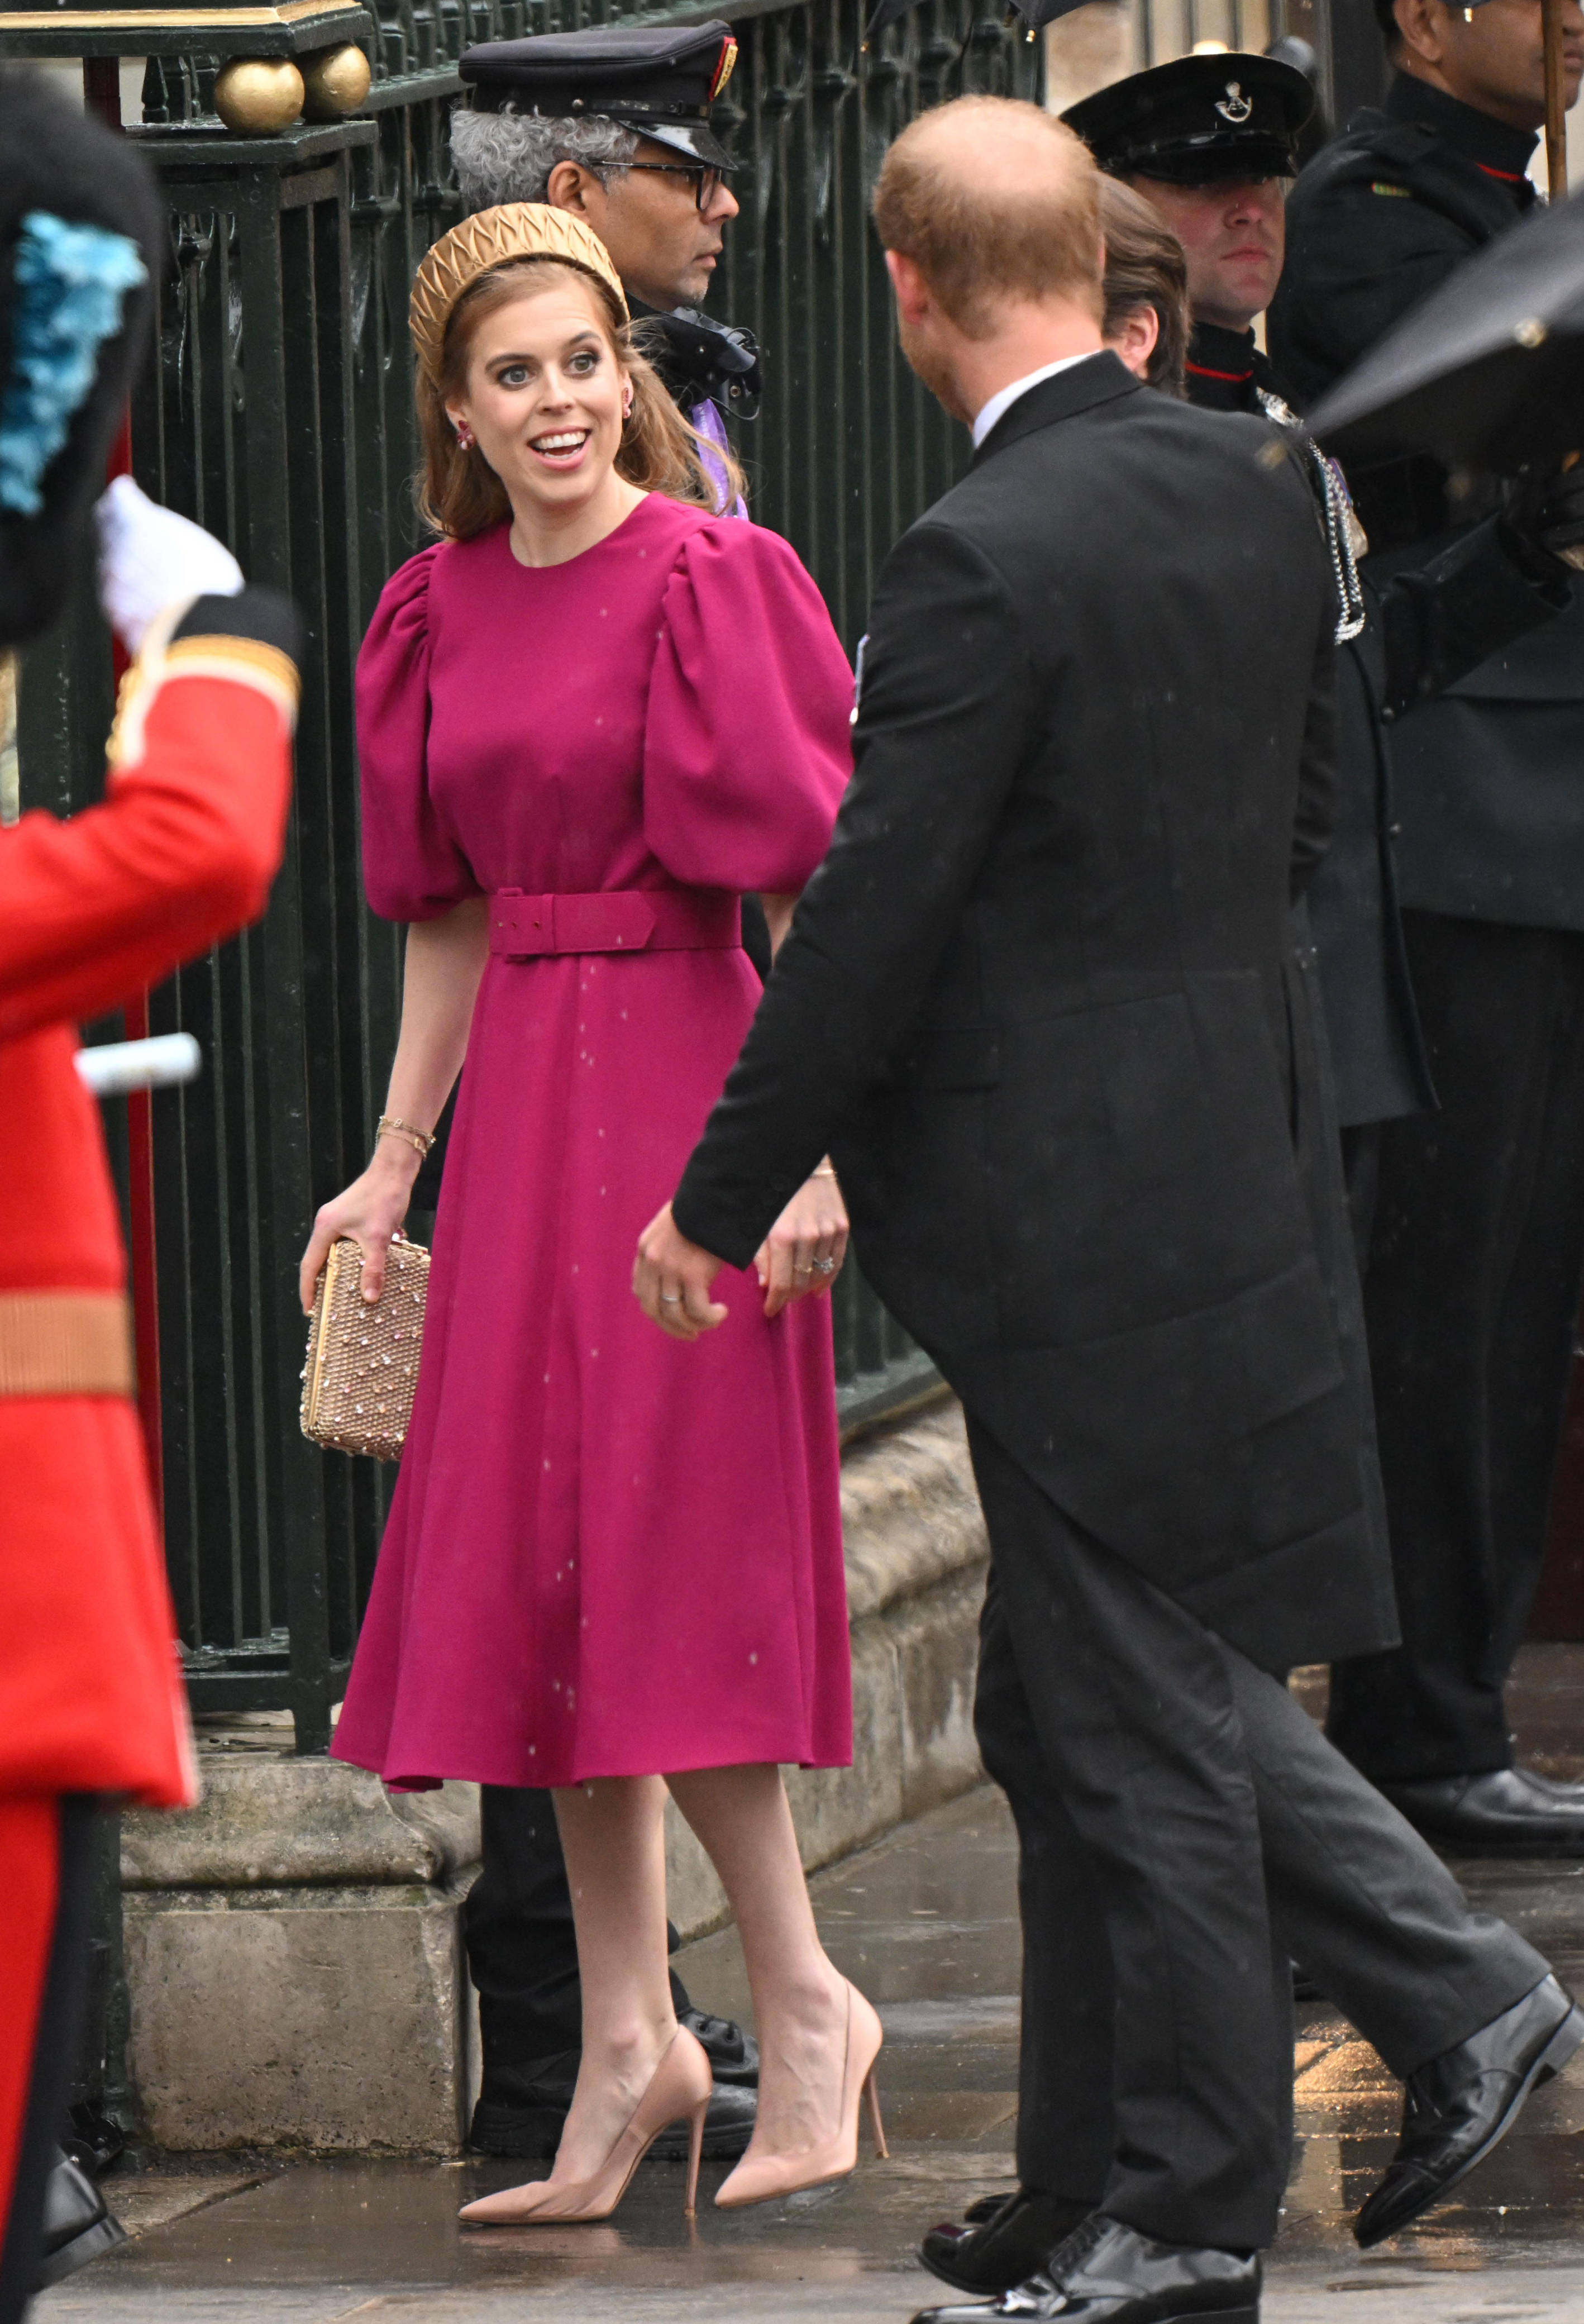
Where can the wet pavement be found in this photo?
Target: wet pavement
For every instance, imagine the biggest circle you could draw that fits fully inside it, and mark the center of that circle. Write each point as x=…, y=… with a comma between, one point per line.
x=926, y=1924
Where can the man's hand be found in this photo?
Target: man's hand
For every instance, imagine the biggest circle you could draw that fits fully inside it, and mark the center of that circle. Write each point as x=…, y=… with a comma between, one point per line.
x=671, y=1279
x=802, y=1254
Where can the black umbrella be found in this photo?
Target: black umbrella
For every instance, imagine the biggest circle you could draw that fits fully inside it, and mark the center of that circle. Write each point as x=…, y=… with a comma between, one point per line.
x=1034, y=12
x=1488, y=370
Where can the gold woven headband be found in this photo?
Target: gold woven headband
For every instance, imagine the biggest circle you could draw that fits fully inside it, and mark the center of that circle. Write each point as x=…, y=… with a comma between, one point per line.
x=491, y=238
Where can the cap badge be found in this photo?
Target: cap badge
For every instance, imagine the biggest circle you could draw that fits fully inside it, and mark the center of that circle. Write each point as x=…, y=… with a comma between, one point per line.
x=727, y=58
x=1234, y=106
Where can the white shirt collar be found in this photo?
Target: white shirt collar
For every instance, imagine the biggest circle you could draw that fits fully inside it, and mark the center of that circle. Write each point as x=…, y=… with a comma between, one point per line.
x=1008, y=396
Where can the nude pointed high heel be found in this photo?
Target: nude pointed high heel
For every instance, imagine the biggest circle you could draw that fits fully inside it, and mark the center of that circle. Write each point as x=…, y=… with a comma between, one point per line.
x=679, y=2088
x=761, y=2178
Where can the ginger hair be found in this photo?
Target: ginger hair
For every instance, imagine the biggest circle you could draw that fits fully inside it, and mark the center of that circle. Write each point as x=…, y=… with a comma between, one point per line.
x=993, y=200
x=460, y=495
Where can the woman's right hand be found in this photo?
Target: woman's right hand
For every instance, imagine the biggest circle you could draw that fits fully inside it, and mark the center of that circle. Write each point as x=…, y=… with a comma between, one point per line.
x=370, y=1211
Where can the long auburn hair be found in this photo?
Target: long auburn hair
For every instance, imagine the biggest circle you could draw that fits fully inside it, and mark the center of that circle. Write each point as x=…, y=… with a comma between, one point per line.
x=459, y=493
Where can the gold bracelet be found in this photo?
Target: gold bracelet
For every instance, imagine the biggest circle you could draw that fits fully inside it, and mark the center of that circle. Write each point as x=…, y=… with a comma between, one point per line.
x=420, y=1140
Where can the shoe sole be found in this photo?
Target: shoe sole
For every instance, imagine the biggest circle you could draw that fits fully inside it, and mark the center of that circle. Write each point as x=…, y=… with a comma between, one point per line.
x=1213, y=2316
x=974, y=2288
x=1555, y=2055
x=93, y=2241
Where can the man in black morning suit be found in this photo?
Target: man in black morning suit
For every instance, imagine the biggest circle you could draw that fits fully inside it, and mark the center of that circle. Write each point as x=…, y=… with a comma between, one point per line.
x=1041, y=1003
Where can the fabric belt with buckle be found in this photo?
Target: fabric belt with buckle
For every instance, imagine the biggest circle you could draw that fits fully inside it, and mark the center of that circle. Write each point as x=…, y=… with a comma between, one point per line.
x=65, y=1343
x=630, y=919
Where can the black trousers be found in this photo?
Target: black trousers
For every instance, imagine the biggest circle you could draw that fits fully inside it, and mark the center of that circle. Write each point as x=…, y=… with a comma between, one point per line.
x=1185, y=1831
x=523, y=1950
x=47, y=1905
x=1470, y=1296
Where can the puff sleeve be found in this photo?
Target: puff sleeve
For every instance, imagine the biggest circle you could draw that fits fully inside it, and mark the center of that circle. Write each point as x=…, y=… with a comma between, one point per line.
x=412, y=867
x=746, y=740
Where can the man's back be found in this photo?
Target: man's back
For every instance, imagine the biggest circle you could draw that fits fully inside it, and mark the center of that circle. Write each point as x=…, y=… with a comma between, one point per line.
x=1162, y=570
x=1042, y=998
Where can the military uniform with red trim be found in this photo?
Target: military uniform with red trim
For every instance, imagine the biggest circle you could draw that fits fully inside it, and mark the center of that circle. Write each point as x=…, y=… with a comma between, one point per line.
x=1478, y=1233
x=1227, y=371
x=180, y=854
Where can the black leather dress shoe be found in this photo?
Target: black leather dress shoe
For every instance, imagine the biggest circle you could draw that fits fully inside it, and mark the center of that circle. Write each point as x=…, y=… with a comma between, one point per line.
x=78, y=2224
x=1507, y=1813
x=1004, y=2239
x=1460, y=2105
x=1106, y=2274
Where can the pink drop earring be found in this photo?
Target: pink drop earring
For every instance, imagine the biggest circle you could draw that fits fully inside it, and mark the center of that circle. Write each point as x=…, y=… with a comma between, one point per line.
x=463, y=436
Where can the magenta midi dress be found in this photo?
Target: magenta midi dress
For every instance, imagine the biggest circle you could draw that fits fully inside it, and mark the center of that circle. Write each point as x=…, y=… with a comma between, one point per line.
x=609, y=1552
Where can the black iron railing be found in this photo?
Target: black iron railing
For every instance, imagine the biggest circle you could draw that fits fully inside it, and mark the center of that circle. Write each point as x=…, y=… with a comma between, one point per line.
x=279, y=413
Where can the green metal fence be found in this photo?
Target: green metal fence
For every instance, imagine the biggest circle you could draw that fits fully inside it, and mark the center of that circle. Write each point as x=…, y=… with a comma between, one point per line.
x=279, y=413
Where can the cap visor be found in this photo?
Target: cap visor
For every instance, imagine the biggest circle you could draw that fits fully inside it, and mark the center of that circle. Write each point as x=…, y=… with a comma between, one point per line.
x=1216, y=164
x=697, y=139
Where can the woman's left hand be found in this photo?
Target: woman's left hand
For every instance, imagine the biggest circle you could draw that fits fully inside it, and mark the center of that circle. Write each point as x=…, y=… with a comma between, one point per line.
x=803, y=1250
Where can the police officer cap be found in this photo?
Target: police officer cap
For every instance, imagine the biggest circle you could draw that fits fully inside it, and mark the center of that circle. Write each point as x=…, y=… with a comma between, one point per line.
x=661, y=83
x=1198, y=120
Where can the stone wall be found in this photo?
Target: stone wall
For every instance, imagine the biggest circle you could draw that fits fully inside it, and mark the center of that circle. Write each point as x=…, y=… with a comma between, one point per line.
x=293, y=1946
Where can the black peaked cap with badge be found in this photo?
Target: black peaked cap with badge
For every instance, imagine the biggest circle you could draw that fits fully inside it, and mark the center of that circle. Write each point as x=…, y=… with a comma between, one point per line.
x=1198, y=120
x=660, y=83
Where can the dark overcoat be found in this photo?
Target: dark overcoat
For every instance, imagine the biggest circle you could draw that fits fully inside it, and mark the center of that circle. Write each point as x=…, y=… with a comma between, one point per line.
x=1487, y=774
x=1043, y=1004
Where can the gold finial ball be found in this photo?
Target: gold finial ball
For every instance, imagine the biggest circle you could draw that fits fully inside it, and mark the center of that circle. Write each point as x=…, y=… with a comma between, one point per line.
x=257, y=96
x=336, y=83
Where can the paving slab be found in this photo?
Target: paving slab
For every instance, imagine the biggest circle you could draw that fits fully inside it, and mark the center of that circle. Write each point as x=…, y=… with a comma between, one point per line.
x=926, y=1923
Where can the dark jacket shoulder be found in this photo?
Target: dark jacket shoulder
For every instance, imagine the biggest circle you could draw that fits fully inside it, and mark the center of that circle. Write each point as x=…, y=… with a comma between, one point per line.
x=1379, y=219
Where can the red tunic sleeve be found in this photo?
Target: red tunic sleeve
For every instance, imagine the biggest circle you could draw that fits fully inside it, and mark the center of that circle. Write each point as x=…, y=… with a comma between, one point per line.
x=412, y=867
x=180, y=852
x=746, y=749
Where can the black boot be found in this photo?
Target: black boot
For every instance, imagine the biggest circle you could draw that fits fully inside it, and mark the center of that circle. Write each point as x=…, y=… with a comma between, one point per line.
x=733, y=2056
x=78, y=2224
x=1461, y=2104
x=1106, y=2274
x=1003, y=2240
x=525, y=2121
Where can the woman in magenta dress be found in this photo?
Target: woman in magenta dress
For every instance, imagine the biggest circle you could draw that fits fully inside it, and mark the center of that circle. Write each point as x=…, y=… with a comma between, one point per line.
x=589, y=720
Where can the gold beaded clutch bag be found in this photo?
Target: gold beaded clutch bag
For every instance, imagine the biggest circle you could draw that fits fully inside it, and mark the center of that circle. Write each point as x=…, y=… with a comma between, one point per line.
x=361, y=1365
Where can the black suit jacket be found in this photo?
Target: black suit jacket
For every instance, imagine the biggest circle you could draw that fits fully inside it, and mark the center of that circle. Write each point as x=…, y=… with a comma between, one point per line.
x=1489, y=796
x=1041, y=1002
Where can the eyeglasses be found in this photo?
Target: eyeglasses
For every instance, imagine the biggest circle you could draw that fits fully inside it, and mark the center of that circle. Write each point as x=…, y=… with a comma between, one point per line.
x=707, y=176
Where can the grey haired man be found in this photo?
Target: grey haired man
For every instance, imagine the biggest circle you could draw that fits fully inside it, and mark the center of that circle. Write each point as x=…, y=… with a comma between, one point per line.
x=615, y=126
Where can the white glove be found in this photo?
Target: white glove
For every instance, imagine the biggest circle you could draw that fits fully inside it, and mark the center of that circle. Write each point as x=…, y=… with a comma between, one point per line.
x=150, y=558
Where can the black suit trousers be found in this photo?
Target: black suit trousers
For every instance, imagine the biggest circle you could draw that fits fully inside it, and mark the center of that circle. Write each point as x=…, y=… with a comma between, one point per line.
x=1471, y=1294
x=523, y=1950
x=1185, y=1831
